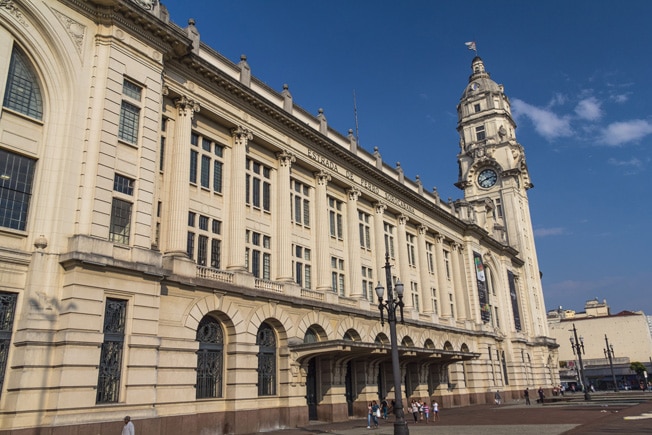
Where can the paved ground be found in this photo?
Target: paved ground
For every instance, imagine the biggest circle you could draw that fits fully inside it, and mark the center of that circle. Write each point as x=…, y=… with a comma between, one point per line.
x=598, y=417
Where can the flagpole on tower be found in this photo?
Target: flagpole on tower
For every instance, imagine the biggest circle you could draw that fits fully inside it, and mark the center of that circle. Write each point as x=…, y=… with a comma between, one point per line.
x=471, y=46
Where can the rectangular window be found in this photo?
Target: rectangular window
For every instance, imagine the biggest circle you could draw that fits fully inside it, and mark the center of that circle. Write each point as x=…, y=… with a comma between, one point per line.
x=259, y=251
x=206, y=162
x=476, y=107
x=129, y=113
x=337, y=274
x=335, y=218
x=204, y=241
x=110, y=366
x=300, y=203
x=435, y=308
x=365, y=230
x=258, y=192
x=447, y=263
x=412, y=258
x=123, y=184
x=430, y=257
x=368, y=283
x=16, y=178
x=7, y=312
x=480, y=133
x=120, y=226
x=302, y=268
x=414, y=287
x=389, y=239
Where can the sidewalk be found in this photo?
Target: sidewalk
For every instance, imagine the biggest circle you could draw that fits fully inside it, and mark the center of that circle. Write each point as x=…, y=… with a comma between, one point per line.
x=599, y=417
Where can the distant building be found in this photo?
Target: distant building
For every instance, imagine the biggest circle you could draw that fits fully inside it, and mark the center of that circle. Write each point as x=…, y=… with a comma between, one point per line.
x=628, y=334
x=184, y=244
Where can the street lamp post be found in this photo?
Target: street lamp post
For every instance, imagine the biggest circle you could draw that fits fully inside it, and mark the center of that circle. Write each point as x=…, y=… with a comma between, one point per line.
x=609, y=353
x=578, y=349
x=390, y=305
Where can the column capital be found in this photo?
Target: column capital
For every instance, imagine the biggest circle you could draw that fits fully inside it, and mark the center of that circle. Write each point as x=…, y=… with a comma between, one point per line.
x=457, y=246
x=322, y=178
x=186, y=106
x=422, y=229
x=403, y=220
x=380, y=207
x=353, y=193
x=286, y=158
x=439, y=238
x=241, y=135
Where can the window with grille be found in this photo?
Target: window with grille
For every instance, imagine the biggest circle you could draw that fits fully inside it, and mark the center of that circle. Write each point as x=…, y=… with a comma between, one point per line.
x=335, y=218
x=22, y=90
x=302, y=268
x=389, y=239
x=258, y=255
x=204, y=241
x=130, y=112
x=110, y=367
x=337, y=275
x=7, y=312
x=258, y=185
x=300, y=203
x=368, y=283
x=206, y=163
x=365, y=230
x=16, y=178
x=480, y=133
x=210, y=359
x=266, y=342
x=120, y=225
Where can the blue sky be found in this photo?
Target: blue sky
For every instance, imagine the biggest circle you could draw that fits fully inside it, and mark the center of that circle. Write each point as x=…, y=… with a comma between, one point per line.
x=577, y=74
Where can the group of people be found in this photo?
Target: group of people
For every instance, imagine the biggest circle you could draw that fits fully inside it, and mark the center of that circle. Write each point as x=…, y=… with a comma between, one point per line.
x=420, y=410
x=540, y=393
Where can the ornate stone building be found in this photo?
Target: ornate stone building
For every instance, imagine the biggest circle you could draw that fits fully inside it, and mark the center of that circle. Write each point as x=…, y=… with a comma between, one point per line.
x=181, y=243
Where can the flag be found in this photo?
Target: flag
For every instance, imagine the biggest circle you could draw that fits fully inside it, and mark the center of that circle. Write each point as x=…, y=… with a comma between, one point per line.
x=471, y=46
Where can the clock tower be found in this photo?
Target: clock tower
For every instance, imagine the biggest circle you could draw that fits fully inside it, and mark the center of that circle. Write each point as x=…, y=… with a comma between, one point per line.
x=494, y=177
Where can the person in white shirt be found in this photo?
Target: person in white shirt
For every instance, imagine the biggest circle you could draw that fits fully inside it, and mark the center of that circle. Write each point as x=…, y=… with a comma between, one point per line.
x=128, y=428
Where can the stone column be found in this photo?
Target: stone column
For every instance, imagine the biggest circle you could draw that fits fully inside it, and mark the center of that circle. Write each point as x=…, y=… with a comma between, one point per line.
x=179, y=194
x=237, y=225
x=459, y=283
x=283, y=250
x=353, y=244
x=322, y=233
x=379, y=236
x=424, y=273
x=442, y=279
x=402, y=253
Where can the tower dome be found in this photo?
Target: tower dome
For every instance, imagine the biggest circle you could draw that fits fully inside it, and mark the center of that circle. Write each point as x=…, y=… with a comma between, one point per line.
x=479, y=80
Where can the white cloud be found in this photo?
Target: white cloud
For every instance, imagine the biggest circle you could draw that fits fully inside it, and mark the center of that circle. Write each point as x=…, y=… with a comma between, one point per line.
x=558, y=99
x=546, y=123
x=619, y=133
x=633, y=162
x=589, y=109
x=544, y=232
x=620, y=98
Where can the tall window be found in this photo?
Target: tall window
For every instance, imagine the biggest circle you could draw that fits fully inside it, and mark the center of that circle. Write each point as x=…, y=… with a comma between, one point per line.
x=110, y=367
x=266, y=341
x=258, y=256
x=480, y=133
x=368, y=283
x=120, y=226
x=206, y=163
x=335, y=218
x=161, y=157
x=7, y=310
x=258, y=191
x=300, y=203
x=204, y=242
x=365, y=230
x=447, y=263
x=16, y=178
x=210, y=358
x=498, y=210
x=130, y=112
x=389, y=239
x=414, y=287
x=412, y=257
x=22, y=92
x=430, y=257
x=435, y=307
x=302, y=268
x=337, y=275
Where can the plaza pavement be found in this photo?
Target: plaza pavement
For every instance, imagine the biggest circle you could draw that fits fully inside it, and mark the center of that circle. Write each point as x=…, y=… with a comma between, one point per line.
x=605, y=414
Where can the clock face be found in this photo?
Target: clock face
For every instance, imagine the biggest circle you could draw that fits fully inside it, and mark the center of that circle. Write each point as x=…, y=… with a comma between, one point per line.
x=487, y=178
x=475, y=86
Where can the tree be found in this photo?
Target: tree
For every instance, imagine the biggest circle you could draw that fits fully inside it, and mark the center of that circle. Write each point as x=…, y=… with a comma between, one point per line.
x=639, y=368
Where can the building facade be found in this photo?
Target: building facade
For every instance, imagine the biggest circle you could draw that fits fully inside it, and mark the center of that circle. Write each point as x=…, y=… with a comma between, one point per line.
x=184, y=244
x=611, y=342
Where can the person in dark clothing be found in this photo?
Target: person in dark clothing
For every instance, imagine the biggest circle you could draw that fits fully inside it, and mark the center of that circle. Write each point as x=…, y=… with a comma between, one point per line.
x=526, y=394
x=541, y=395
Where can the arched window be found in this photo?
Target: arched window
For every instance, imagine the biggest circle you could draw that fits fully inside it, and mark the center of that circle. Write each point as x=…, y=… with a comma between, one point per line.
x=210, y=358
x=22, y=92
x=266, y=341
x=311, y=336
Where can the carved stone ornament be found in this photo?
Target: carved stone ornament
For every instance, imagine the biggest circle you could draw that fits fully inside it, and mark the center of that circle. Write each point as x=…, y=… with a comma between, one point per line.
x=146, y=4
x=13, y=10
x=75, y=30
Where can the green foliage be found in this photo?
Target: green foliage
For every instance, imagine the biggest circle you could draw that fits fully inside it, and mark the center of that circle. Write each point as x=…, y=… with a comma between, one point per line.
x=637, y=367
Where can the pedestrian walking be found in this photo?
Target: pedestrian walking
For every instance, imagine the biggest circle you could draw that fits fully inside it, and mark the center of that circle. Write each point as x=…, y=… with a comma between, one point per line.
x=526, y=394
x=435, y=411
x=369, y=412
x=497, y=398
x=426, y=410
x=375, y=413
x=541, y=395
x=128, y=428
x=415, y=410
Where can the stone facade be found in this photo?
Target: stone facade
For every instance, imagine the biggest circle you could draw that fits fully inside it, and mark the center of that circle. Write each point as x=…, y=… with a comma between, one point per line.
x=185, y=245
